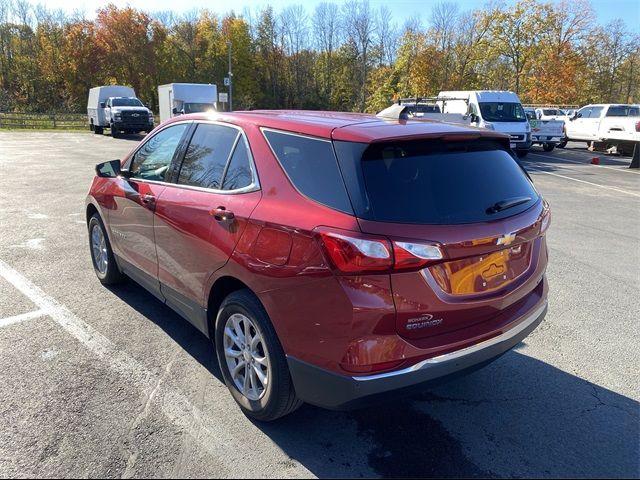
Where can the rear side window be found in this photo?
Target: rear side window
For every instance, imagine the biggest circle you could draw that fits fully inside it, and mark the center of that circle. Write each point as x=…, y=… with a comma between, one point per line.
x=311, y=166
x=433, y=182
x=623, y=111
x=207, y=156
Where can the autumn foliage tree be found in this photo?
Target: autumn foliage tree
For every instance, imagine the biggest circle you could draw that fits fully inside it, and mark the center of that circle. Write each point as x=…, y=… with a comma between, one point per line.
x=338, y=56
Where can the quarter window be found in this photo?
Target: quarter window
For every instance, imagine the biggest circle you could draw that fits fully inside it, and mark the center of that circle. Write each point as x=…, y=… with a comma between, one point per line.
x=207, y=156
x=312, y=167
x=239, y=171
x=153, y=159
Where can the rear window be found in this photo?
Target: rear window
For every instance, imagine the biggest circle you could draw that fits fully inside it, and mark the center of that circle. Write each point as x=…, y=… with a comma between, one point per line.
x=312, y=168
x=623, y=111
x=433, y=182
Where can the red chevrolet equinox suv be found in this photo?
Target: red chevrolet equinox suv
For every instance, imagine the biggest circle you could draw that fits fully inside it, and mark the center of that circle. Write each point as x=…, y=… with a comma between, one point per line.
x=333, y=258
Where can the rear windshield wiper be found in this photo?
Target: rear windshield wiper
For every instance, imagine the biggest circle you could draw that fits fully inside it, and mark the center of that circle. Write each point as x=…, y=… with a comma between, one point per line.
x=508, y=203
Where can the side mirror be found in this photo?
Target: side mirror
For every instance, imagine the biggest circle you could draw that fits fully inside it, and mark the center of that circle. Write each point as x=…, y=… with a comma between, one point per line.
x=174, y=111
x=103, y=105
x=474, y=118
x=110, y=169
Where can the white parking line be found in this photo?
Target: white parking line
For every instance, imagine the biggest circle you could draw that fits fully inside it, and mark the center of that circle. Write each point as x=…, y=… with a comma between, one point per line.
x=625, y=170
x=4, y=322
x=214, y=436
x=533, y=169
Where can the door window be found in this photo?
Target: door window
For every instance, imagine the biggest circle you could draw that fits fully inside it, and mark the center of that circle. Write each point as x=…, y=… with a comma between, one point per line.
x=584, y=112
x=153, y=159
x=207, y=155
x=595, y=112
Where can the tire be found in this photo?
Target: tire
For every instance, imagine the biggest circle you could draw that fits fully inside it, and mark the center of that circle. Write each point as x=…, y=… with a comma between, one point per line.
x=548, y=147
x=107, y=274
x=562, y=144
x=115, y=133
x=97, y=130
x=91, y=126
x=522, y=153
x=239, y=311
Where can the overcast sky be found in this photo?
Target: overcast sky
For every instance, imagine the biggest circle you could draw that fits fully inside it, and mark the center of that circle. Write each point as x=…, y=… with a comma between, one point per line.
x=606, y=10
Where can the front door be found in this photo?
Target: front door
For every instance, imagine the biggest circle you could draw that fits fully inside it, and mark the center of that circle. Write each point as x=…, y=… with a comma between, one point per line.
x=131, y=221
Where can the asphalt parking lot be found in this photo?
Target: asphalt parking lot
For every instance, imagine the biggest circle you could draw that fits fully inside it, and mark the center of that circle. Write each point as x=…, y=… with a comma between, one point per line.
x=111, y=383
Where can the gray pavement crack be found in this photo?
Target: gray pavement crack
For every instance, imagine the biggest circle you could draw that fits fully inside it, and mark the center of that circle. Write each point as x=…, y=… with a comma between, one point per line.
x=134, y=451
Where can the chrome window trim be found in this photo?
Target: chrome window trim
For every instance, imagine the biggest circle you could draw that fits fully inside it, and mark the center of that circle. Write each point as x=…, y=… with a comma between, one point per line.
x=255, y=183
x=452, y=356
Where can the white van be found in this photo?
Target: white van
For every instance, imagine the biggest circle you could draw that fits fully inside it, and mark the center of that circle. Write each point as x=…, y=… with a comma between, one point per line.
x=495, y=110
x=181, y=98
x=116, y=107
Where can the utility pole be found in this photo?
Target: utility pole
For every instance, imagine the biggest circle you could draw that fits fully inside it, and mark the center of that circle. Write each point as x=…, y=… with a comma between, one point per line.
x=230, y=79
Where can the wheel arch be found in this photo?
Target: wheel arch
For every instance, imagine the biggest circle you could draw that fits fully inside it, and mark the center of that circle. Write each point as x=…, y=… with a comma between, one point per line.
x=220, y=290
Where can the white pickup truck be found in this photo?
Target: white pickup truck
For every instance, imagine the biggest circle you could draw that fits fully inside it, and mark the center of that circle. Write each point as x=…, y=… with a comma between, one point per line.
x=548, y=133
x=612, y=124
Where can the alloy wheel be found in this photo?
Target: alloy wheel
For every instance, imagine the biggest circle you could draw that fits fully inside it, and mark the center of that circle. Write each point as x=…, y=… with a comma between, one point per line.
x=247, y=357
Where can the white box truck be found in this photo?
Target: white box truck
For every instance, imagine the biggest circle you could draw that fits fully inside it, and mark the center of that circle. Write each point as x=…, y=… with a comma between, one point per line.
x=497, y=110
x=117, y=108
x=182, y=98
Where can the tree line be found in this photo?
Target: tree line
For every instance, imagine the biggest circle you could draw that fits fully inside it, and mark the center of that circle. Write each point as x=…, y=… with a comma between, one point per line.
x=337, y=56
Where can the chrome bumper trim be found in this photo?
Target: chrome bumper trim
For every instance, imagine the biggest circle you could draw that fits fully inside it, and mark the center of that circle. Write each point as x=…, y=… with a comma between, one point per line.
x=452, y=356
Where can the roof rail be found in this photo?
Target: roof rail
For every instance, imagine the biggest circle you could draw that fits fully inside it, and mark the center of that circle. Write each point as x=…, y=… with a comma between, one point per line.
x=416, y=100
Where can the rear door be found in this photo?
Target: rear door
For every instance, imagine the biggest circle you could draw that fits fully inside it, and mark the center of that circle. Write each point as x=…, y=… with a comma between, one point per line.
x=469, y=198
x=202, y=215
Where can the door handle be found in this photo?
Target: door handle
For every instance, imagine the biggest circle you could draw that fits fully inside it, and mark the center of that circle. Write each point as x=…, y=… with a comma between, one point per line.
x=221, y=214
x=148, y=199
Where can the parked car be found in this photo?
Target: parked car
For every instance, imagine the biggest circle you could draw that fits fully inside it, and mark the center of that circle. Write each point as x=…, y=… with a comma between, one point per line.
x=333, y=258
x=547, y=133
x=116, y=107
x=495, y=110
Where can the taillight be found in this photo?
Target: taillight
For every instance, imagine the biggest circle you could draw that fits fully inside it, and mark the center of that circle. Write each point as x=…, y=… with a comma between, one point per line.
x=546, y=218
x=354, y=253
x=638, y=126
x=351, y=254
x=414, y=255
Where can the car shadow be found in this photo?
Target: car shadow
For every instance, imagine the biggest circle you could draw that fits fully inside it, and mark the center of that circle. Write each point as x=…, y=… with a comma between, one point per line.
x=518, y=417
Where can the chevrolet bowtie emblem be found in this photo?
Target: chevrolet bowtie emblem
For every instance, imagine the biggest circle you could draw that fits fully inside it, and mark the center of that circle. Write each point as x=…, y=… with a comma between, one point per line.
x=506, y=239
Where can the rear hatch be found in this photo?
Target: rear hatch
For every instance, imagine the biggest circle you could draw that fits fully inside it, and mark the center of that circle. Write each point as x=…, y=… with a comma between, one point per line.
x=468, y=197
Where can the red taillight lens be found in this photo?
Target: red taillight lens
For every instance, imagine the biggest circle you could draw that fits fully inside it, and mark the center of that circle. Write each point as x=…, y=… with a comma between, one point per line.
x=354, y=253
x=546, y=219
x=415, y=255
x=638, y=126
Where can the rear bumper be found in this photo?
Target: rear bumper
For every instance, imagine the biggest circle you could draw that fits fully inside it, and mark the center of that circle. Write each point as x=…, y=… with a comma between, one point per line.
x=330, y=390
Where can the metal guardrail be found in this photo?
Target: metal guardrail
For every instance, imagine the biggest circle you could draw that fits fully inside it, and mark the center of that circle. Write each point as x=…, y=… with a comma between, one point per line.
x=62, y=121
